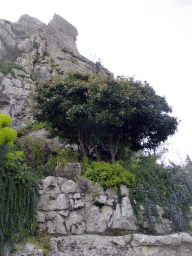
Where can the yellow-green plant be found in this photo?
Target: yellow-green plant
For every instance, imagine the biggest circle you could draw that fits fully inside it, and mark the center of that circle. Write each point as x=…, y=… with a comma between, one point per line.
x=7, y=136
x=109, y=175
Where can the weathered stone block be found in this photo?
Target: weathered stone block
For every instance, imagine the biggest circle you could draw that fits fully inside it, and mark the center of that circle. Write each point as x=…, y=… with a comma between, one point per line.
x=69, y=187
x=107, y=212
x=59, y=225
x=40, y=217
x=94, y=220
x=43, y=203
x=61, y=203
x=123, y=216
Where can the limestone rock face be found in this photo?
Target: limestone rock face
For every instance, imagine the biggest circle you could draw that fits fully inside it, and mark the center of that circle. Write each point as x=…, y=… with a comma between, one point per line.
x=14, y=92
x=173, y=245
x=95, y=245
x=43, y=51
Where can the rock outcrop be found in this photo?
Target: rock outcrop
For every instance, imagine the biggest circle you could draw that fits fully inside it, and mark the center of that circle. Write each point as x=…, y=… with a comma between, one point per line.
x=41, y=52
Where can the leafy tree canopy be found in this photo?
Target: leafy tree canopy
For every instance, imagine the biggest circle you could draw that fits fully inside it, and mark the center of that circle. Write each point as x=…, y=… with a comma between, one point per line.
x=104, y=113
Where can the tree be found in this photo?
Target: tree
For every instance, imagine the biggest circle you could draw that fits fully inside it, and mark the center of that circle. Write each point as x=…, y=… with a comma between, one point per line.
x=104, y=113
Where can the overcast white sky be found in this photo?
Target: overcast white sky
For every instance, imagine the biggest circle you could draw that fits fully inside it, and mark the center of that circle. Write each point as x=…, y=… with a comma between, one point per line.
x=148, y=39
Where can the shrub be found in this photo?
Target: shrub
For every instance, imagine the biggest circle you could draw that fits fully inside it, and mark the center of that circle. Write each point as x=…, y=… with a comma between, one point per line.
x=109, y=175
x=60, y=157
x=36, y=152
x=30, y=127
x=168, y=187
x=7, y=136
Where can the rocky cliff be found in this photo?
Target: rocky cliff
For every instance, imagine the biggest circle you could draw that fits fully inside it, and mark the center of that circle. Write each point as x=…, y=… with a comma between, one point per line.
x=31, y=52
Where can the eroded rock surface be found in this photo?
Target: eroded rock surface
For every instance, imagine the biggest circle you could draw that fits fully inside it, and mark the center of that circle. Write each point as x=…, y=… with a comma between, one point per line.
x=136, y=245
x=43, y=51
x=129, y=245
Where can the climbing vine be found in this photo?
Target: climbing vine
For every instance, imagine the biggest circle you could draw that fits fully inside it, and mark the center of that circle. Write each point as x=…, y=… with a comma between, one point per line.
x=18, y=189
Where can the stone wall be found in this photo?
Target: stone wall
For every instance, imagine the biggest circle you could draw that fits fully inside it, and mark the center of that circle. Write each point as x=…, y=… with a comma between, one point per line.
x=87, y=220
x=67, y=207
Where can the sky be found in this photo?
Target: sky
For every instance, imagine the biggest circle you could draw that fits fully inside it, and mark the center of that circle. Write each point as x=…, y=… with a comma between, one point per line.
x=150, y=40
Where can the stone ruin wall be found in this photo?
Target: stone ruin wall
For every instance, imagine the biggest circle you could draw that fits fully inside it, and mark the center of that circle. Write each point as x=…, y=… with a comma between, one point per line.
x=81, y=217
x=67, y=207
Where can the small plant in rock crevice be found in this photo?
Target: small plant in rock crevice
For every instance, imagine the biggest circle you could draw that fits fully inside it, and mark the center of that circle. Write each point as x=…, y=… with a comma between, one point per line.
x=40, y=238
x=37, y=56
x=7, y=66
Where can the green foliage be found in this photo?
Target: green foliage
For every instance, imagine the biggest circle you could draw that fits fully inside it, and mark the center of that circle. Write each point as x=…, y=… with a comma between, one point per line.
x=7, y=135
x=59, y=157
x=4, y=150
x=104, y=114
x=18, y=195
x=40, y=238
x=5, y=120
x=7, y=66
x=109, y=175
x=10, y=156
x=168, y=187
x=18, y=189
x=30, y=127
x=36, y=152
x=66, y=155
x=39, y=156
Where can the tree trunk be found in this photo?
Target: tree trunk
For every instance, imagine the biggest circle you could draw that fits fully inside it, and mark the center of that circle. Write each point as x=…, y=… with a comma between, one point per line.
x=112, y=158
x=80, y=139
x=113, y=152
x=96, y=151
